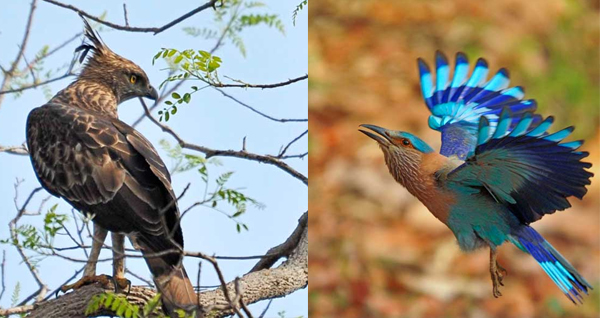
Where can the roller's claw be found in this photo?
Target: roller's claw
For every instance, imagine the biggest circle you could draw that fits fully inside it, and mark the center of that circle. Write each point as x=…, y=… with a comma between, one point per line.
x=497, y=272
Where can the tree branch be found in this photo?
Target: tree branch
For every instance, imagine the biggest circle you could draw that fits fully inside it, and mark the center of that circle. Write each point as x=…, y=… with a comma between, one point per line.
x=247, y=85
x=15, y=150
x=34, y=85
x=155, y=30
x=281, y=120
x=255, y=286
x=8, y=75
x=226, y=153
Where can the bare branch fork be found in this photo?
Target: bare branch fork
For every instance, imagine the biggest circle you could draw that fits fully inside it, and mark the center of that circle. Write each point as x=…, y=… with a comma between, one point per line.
x=262, y=283
x=12, y=225
x=226, y=153
x=155, y=30
x=8, y=75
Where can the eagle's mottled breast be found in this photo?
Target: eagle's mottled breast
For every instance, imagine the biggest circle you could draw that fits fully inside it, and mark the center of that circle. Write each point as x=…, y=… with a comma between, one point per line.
x=89, y=96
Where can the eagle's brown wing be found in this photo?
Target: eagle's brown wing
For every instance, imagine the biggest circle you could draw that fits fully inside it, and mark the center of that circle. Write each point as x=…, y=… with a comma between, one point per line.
x=102, y=166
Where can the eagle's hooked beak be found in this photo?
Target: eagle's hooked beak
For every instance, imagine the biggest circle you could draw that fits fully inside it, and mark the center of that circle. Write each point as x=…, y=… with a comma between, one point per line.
x=152, y=93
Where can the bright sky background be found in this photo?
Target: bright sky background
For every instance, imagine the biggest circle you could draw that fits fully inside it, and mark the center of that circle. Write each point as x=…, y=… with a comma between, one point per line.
x=209, y=120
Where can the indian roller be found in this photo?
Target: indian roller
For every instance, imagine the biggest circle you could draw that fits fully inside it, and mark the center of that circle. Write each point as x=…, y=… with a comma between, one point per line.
x=498, y=169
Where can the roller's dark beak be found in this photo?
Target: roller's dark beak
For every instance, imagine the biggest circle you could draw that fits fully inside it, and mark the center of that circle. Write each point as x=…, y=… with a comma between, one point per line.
x=152, y=93
x=381, y=132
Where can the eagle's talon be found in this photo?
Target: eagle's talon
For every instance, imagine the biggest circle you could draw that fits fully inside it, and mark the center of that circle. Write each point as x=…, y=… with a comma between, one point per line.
x=122, y=283
x=86, y=280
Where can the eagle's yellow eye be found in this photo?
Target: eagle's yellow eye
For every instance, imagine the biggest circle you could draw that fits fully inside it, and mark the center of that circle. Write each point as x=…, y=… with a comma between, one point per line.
x=132, y=79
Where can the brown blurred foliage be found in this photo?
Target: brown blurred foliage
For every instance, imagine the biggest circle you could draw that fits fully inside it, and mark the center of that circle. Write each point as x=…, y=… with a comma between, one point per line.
x=374, y=250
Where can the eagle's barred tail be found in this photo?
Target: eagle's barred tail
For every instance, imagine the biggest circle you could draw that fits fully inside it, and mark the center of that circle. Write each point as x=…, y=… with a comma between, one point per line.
x=177, y=291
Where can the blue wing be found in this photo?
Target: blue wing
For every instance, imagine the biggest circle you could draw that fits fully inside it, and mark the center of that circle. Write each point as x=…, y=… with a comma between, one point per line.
x=457, y=105
x=524, y=168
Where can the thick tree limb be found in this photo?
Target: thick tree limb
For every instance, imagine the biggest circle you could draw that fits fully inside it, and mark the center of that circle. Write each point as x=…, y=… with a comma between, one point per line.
x=267, y=283
x=284, y=249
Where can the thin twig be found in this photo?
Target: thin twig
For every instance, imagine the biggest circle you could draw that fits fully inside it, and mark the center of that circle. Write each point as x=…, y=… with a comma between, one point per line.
x=148, y=282
x=3, y=282
x=264, y=312
x=11, y=71
x=158, y=102
x=41, y=292
x=225, y=30
x=125, y=14
x=198, y=284
x=37, y=59
x=155, y=30
x=238, y=291
x=15, y=150
x=34, y=85
x=66, y=282
x=226, y=294
x=300, y=156
x=281, y=120
x=290, y=143
x=247, y=85
x=225, y=153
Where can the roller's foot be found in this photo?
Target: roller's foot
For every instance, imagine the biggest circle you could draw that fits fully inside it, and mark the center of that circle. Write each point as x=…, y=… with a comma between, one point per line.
x=497, y=272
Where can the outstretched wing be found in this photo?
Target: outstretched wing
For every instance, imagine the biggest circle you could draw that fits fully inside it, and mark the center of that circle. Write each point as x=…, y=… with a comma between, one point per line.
x=457, y=105
x=529, y=171
x=102, y=166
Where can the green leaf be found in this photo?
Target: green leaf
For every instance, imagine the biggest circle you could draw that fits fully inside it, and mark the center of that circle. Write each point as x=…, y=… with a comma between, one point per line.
x=213, y=65
x=128, y=312
x=174, y=110
x=167, y=116
x=238, y=227
x=175, y=95
x=109, y=299
x=178, y=59
x=187, y=97
x=115, y=304
x=204, y=54
x=122, y=308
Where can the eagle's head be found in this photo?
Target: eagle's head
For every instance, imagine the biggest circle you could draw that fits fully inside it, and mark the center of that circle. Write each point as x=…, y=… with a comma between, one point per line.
x=125, y=78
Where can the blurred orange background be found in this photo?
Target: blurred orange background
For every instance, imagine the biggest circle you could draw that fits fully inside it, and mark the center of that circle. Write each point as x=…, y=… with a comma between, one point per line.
x=375, y=251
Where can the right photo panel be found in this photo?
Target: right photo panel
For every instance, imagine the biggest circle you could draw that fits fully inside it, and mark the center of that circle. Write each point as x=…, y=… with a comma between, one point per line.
x=454, y=154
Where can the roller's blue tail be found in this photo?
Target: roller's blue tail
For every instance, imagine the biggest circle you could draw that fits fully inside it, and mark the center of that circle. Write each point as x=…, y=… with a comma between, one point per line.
x=562, y=273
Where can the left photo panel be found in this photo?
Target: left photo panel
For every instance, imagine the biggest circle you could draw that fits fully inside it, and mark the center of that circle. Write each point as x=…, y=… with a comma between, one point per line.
x=154, y=159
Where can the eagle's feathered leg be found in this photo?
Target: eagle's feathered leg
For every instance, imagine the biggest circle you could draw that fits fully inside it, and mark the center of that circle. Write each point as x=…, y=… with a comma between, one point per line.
x=118, y=247
x=89, y=272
